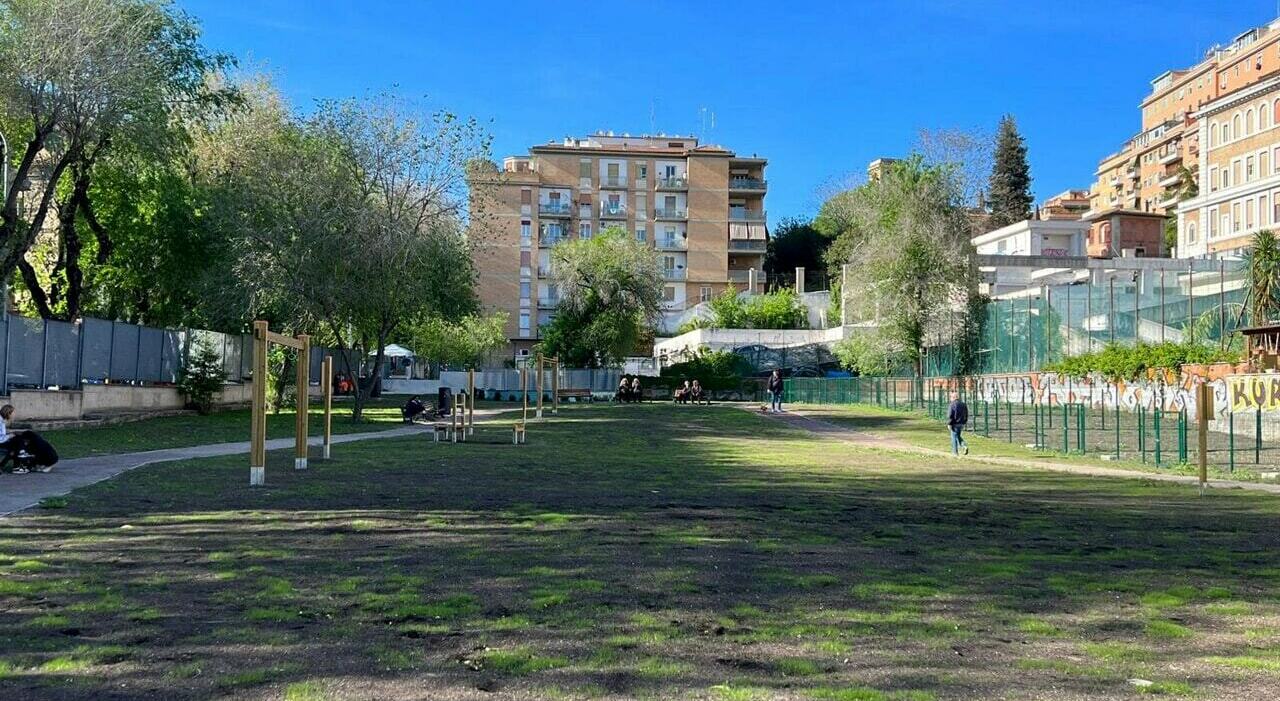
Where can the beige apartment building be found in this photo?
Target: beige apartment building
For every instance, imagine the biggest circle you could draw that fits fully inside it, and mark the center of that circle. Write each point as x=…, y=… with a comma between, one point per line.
x=700, y=207
x=1145, y=175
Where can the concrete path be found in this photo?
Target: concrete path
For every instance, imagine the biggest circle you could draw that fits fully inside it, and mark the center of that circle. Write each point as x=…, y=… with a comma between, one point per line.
x=18, y=492
x=800, y=419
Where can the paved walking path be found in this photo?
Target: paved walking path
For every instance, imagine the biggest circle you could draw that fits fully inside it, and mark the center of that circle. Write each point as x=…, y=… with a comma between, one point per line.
x=800, y=419
x=18, y=492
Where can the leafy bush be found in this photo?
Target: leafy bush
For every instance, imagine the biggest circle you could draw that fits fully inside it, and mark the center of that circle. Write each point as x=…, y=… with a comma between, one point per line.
x=780, y=309
x=868, y=354
x=202, y=377
x=1117, y=362
x=714, y=370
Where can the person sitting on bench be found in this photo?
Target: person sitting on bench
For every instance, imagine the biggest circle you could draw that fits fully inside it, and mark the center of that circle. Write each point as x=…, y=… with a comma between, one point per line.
x=412, y=409
x=682, y=393
x=635, y=389
x=624, y=391
x=696, y=393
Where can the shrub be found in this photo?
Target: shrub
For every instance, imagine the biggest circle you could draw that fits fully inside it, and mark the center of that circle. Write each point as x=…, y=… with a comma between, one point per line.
x=868, y=354
x=202, y=377
x=1117, y=362
x=780, y=309
x=714, y=370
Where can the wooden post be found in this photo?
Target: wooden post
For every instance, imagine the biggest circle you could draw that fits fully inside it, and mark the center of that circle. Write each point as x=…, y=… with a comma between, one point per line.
x=1204, y=408
x=326, y=383
x=302, y=405
x=471, y=401
x=258, y=418
x=555, y=387
x=538, y=382
x=524, y=394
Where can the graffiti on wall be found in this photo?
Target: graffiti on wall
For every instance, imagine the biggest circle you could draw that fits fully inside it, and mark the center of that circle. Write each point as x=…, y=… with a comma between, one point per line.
x=1051, y=389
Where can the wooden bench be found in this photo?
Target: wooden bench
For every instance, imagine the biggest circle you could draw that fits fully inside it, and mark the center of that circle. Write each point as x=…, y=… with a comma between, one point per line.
x=576, y=395
x=517, y=433
x=438, y=429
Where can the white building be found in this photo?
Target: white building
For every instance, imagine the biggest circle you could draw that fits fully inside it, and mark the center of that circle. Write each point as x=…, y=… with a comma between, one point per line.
x=1059, y=238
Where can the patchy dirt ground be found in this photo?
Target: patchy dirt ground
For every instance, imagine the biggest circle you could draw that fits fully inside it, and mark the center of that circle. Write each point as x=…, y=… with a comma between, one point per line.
x=639, y=552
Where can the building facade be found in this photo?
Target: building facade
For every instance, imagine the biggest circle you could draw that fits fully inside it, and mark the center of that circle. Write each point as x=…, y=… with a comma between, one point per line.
x=700, y=207
x=1239, y=173
x=1149, y=172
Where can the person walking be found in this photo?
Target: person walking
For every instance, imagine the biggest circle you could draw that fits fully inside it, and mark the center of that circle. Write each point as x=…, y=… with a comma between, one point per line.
x=957, y=417
x=775, y=391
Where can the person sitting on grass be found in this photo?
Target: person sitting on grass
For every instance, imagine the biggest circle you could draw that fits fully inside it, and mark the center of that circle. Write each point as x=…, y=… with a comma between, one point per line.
x=635, y=389
x=696, y=393
x=412, y=409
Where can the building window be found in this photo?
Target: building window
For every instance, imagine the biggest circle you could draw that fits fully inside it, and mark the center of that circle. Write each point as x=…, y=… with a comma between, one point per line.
x=584, y=169
x=1263, y=210
x=1191, y=232
x=1235, y=126
x=642, y=171
x=524, y=289
x=1248, y=169
x=584, y=230
x=1263, y=117
x=1213, y=134
x=1213, y=223
x=668, y=293
x=1248, y=122
x=640, y=234
x=1250, y=213
x=1226, y=132
x=704, y=294
x=1235, y=217
x=526, y=196
x=1213, y=179
x=526, y=233
x=524, y=321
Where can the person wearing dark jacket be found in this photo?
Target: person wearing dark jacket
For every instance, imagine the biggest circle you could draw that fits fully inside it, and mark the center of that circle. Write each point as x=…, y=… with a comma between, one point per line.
x=957, y=417
x=775, y=391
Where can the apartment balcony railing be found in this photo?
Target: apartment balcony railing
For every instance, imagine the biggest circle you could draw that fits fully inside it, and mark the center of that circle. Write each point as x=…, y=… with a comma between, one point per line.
x=613, y=211
x=673, y=184
x=670, y=213
x=548, y=302
x=751, y=215
x=669, y=243
x=544, y=271
x=553, y=209
x=1171, y=179
x=739, y=275
x=673, y=273
x=745, y=246
x=642, y=183
x=1171, y=157
x=613, y=181
x=747, y=184
x=551, y=239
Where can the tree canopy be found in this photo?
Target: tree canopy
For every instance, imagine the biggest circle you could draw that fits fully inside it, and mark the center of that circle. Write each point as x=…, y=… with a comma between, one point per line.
x=1010, y=188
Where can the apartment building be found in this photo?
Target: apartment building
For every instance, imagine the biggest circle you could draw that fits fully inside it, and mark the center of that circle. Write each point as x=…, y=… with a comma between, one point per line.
x=1146, y=174
x=1239, y=173
x=700, y=207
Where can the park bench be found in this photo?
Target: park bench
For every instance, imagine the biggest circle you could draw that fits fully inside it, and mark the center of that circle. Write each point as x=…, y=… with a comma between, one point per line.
x=441, y=429
x=577, y=395
x=517, y=433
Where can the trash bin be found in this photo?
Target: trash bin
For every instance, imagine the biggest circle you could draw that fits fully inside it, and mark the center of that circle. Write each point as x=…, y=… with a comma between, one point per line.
x=445, y=398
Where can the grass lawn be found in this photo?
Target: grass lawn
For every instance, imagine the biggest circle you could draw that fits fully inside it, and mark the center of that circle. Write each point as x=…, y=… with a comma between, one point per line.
x=645, y=551
x=919, y=429
x=221, y=427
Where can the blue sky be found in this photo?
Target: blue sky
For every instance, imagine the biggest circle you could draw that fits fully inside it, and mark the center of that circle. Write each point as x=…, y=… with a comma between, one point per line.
x=818, y=88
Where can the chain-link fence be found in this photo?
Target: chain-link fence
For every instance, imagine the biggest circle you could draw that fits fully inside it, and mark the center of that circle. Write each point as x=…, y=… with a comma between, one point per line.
x=49, y=354
x=1157, y=428
x=1152, y=305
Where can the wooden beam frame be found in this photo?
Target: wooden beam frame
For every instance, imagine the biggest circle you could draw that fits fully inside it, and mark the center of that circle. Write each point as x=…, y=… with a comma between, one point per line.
x=326, y=382
x=263, y=337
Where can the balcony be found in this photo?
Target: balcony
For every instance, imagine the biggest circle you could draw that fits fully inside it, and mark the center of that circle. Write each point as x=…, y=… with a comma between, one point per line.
x=548, y=302
x=550, y=239
x=1171, y=157
x=554, y=209
x=747, y=184
x=613, y=210
x=742, y=276
x=745, y=246
x=672, y=184
x=1171, y=179
x=673, y=273
x=748, y=215
x=670, y=213
x=671, y=243
x=544, y=271
x=1132, y=173
x=1114, y=181
x=642, y=183
x=613, y=181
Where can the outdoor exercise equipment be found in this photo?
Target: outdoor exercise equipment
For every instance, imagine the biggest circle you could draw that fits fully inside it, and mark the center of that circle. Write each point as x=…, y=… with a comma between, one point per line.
x=518, y=428
x=554, y=362
x=263, y=336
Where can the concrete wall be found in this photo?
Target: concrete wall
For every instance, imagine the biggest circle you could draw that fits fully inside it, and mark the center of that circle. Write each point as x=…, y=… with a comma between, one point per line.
x=37, y=405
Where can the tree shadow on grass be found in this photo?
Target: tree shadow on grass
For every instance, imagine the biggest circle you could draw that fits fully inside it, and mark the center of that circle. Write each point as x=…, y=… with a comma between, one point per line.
x=640, y=552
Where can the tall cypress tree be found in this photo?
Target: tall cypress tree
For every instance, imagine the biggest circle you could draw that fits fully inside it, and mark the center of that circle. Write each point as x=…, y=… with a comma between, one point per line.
x=1010, y=186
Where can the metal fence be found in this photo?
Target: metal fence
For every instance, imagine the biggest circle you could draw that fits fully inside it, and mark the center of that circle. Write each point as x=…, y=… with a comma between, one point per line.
x=1159, y=433
x=1152, y=305
x=48, y=354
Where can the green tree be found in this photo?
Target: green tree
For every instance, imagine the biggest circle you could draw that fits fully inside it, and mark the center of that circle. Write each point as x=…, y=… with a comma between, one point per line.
x=1262, y=261
x=906, y=250
x=467, y=342
x=780, y=309
x=610, y=297
x=795, y=243
x=1010, y=184
x=202, y=377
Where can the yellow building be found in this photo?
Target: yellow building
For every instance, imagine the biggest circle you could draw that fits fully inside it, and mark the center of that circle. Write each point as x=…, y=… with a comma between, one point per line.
x=701, y=208
x=1146, y=174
